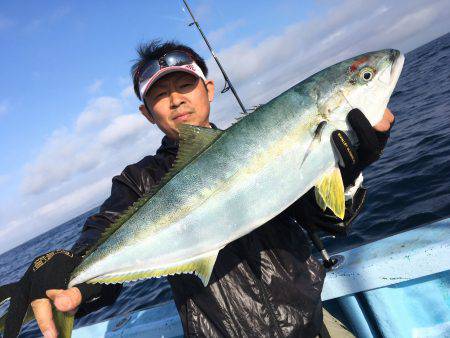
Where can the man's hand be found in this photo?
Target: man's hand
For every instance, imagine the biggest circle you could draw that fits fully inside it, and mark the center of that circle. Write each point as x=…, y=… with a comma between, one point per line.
x=372, y=141
x=386, y=122
x=64, y=300
x=45, y=280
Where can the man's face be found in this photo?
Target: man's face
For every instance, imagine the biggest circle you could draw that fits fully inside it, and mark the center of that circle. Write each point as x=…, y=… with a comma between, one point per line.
x=178, y=98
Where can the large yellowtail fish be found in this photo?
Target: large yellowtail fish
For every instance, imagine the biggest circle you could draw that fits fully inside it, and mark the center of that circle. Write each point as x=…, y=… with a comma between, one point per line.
x=226, y=183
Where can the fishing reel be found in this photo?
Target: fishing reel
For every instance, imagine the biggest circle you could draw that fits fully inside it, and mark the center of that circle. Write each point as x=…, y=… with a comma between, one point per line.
x=328, y=262
x=314, y=220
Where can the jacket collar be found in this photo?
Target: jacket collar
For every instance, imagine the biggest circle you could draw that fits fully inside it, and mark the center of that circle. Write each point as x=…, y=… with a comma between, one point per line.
x=170, y=146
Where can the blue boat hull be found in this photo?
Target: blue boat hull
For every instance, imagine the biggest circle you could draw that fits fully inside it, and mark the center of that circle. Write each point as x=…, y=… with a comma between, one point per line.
x=395, y=287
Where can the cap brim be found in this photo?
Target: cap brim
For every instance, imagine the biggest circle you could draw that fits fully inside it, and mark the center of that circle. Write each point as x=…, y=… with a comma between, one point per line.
x=190, y=68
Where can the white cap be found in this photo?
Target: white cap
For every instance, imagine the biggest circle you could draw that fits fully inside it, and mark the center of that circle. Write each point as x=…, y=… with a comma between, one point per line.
x=191, y=68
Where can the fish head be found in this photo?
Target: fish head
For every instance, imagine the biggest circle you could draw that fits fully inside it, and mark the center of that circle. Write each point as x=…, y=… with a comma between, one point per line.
x=367, y=81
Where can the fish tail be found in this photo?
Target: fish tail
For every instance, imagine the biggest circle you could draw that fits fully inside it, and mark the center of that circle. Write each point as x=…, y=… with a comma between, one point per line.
x=63, y=320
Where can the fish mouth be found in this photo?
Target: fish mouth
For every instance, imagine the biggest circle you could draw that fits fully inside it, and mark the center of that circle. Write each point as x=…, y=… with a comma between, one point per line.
x=396, y=68
x=390, y=75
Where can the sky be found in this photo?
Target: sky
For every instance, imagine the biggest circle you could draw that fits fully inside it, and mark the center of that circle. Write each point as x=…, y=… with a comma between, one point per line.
x=69, y=120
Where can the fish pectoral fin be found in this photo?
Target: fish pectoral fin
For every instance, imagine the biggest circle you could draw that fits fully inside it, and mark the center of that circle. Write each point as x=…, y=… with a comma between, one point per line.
x=201, y=266
x=319, y=200
x=329, y=192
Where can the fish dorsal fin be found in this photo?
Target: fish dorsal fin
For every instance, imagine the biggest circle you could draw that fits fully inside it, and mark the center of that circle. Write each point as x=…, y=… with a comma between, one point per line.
x=330, y=192
x=193, y=140
x=201, y=266
x=248, y=112
x=241, y=116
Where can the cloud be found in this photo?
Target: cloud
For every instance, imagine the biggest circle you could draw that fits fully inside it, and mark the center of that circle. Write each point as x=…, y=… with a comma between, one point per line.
x=63, y=155
x=4, y=179
x=121, y=128
x=34, y=25
x=98, y=112
x=95, y=86
x=60, y=13
x=47, y=19
x=127, y=92
x=262, y=69
x=43, y=217
x=70, y=152
x=79, y=200
x=216, y=36
x=415, y=22
x=202, y=12
x=5, y=22
x=99, y=141
x=4, y=107
x=73, y=169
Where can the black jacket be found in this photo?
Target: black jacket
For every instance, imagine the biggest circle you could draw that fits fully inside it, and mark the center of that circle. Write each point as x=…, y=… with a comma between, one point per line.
x=264, y=284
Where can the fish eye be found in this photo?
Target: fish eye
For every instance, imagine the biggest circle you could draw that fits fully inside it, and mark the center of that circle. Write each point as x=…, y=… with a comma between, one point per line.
x=366, y=73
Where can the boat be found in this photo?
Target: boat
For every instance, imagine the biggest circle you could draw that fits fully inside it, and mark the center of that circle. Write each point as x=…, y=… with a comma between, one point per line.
x=398, y=287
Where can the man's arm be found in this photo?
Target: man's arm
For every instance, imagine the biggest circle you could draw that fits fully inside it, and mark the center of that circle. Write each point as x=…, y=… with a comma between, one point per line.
x=124, y=192
x=127, y=187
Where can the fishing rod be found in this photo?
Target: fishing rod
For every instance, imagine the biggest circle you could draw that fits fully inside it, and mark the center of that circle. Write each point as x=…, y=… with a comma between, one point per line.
x=328, y=261
x=227, y=79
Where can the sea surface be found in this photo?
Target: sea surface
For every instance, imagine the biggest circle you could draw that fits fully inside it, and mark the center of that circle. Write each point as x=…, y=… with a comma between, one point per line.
x=408, y=187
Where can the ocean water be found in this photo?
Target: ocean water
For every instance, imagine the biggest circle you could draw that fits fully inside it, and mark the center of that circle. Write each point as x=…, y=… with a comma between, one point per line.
x=408, y=187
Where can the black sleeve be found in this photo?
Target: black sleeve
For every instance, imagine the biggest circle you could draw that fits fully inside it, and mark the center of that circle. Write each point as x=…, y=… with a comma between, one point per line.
x=134, y=181
x=126, y=188
x=123, y=193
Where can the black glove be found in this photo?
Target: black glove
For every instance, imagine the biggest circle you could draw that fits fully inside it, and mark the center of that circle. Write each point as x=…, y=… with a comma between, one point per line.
x=353, y=161
x=371, y=146
x=49, y=271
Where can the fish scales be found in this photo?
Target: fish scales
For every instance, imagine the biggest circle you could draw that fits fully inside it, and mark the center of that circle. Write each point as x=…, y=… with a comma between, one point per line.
x=234, y=166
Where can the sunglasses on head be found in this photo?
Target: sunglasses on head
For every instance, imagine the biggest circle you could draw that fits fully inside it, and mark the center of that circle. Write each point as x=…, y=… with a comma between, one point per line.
x=174, y=58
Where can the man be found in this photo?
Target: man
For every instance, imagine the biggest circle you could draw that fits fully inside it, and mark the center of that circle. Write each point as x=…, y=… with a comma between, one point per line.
x=265, y=283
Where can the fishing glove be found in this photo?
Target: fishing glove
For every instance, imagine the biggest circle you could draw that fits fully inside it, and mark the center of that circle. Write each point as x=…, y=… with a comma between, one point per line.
x=352, y=162
x=371, y=146
x=49, y=271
